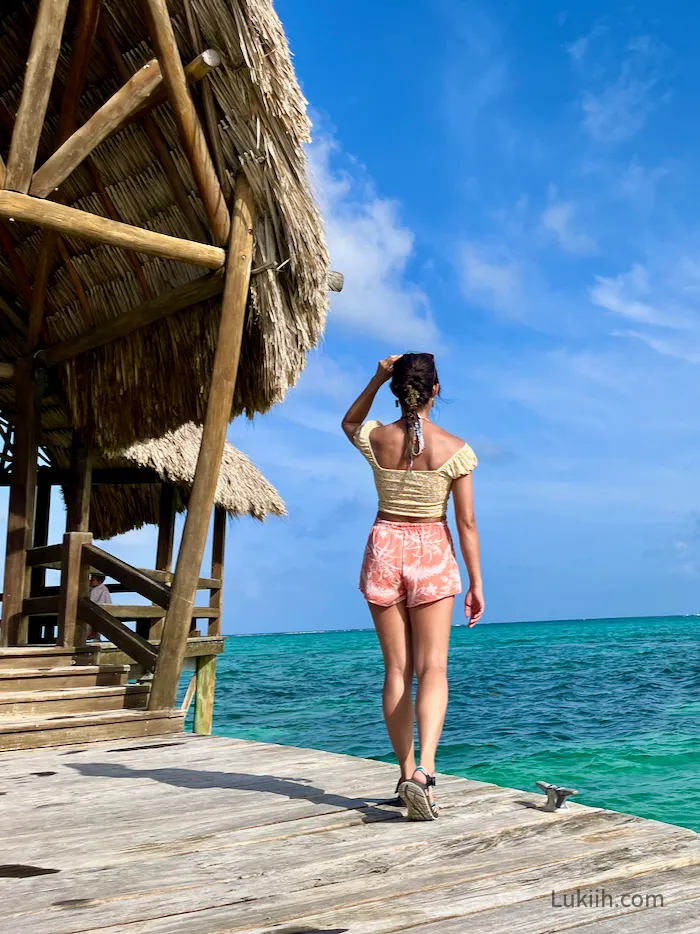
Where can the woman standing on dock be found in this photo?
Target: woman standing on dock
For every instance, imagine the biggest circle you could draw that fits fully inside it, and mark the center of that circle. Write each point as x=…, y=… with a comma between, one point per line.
x=409, y=574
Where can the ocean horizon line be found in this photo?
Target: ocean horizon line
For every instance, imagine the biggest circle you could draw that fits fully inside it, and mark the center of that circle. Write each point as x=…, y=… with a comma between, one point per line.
x=513, y=622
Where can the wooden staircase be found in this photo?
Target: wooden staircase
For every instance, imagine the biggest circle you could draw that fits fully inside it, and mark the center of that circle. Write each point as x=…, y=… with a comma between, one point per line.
x=52, y=696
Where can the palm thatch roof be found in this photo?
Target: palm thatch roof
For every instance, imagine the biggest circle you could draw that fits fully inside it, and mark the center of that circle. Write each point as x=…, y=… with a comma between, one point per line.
x=242, y=490
x=156, y=379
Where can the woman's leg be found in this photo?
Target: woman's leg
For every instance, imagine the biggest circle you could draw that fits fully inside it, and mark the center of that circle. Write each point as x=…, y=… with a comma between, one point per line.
x=394, y=631
x=430, y=628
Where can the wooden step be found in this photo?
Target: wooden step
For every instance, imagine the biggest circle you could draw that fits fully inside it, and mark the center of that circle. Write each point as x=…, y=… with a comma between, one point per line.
x=74, y=676
x=43, y=656
x=31, y=732
x=74, y=700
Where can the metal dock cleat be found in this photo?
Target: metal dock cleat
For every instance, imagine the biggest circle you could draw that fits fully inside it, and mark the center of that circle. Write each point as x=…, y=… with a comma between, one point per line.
x=556, y=796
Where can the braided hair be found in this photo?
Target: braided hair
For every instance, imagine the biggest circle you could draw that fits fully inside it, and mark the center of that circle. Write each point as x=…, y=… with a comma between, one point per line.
x=413, y=379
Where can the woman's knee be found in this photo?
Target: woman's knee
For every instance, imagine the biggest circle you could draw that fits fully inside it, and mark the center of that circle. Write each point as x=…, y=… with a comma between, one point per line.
x=399, y=672
x=431, y=668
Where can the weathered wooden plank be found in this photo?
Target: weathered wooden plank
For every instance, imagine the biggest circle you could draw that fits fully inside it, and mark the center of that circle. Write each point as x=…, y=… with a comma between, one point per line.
x=80, y=487
x=218, y=552
x=43, y=555
x=76, y=223
x=218, y=414
x=131, y=643
x=87, y=728
x=126, y=574
x=319, y=863
x=38, y=78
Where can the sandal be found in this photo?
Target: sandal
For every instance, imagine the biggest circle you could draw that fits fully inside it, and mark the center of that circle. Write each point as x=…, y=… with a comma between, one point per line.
x=417, y=797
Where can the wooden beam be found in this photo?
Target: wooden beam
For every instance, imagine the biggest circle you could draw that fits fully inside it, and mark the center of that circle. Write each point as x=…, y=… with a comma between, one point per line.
x=20, y=521
x=74, y=585
x=72, y=91
x=218, y=548
x=133, y=645
x=161, y=32
x=195, y=71
x=166, y=528
x=42, y=513
x=10, y=313
x=204, y=697
x=336, y=281
x=80, y=488
x=38, y=78
x=140, y=317
x=105, y=121
x=156, y=139
x=75, y=223
x=209, y=105
x=126, y=574
x=44, y=555
x=219, y=403
x=111, y=476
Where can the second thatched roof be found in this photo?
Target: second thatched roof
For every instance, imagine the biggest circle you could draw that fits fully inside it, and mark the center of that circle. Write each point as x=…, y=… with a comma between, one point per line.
x=242, y=489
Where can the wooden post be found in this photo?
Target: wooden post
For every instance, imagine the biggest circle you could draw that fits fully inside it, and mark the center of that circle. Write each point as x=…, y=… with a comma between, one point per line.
x=223, y=381
x=166, y=539
x=194, y=142
x=74, y=585
x=38, y=575
x=78, y=501
x=38, y=78
x=218, y=548
x=20, y=521
x=204, y=696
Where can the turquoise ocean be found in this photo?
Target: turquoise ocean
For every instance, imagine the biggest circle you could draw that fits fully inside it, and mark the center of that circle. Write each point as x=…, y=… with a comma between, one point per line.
x=610, y=707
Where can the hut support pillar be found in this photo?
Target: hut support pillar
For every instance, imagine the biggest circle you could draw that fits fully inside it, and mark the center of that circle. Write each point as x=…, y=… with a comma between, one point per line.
x=217, y=568
x=78, y=520
x=223, y=381
x=204, y=697
x=164, y=551
x=20, y=522
x=40, y=630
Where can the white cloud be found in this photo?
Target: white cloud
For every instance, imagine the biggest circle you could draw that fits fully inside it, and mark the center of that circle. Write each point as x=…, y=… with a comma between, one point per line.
x=558, y=219
x=617, y=98
x=633, y=295
x=490, y=275
x=369, y=244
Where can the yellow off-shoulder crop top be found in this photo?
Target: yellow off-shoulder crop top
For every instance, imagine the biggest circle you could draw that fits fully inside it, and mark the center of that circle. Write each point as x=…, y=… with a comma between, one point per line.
x=420, y=494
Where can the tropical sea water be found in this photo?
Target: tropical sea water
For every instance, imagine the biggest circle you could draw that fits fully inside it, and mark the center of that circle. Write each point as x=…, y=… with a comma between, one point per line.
x=610, y=707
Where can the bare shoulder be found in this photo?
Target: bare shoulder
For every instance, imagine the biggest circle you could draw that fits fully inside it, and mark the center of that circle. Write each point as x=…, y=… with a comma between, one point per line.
x=446, y=442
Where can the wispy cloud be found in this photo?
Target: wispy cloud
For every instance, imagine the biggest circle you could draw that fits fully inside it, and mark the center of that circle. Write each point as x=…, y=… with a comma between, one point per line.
x=371, y=246
x=619, y=91
x=559, y=219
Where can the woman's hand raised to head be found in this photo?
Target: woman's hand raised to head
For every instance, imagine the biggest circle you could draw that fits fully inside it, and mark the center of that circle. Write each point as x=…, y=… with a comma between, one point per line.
x=386, y=366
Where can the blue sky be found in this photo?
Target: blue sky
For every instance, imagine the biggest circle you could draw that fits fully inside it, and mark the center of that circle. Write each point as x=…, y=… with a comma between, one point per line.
x=516, y=188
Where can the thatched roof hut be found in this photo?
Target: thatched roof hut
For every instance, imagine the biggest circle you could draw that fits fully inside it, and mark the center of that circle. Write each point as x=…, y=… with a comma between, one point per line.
x=242, y=490
x=155, y=378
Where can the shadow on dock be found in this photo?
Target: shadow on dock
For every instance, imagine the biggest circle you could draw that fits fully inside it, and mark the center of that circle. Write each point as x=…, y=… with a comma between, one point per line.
x=240, y=781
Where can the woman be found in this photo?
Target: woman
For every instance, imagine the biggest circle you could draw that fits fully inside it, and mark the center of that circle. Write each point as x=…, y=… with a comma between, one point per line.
x=409, y=575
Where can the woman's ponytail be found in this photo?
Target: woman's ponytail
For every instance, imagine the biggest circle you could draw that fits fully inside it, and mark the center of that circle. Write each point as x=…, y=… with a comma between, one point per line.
x=413, y=380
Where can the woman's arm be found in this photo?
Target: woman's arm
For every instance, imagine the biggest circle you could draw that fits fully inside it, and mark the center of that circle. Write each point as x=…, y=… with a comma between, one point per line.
x=463, y=495
x=359, y=410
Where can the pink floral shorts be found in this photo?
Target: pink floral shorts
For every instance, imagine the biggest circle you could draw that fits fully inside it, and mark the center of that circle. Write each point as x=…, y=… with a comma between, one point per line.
x=409, y=561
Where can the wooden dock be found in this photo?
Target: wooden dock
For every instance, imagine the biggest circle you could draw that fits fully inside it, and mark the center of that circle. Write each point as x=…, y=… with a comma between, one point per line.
x=207, y=835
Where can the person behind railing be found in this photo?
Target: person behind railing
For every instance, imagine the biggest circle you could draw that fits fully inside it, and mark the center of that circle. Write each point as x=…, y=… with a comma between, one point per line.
x=99, y=593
